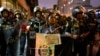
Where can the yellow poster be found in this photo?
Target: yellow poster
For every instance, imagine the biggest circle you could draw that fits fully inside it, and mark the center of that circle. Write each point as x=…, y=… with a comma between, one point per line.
x=53, y=39
x=45, y=44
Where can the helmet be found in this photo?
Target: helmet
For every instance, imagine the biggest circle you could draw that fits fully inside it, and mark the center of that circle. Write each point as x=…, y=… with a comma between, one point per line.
x=92, y=13
x=78, y=9
x=4, y=10
x=17, y=11
x=37, y=8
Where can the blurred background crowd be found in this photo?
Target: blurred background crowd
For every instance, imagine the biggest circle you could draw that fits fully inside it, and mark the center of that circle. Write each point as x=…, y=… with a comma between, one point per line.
x=79, y=32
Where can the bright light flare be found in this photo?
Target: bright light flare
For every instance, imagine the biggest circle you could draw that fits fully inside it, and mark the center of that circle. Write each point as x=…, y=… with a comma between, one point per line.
x=1, y=8
x=28, y=27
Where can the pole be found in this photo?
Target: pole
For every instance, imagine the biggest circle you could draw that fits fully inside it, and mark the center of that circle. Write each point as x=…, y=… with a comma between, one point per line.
x=63, y=9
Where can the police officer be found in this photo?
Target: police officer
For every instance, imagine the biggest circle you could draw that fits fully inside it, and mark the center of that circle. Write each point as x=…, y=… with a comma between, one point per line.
x=94, y=31
x=22, y=34
x=36, y=24
x=2, y=39
x=12, y=40
x=7, y=28
x=92, y=23
x=81, y=29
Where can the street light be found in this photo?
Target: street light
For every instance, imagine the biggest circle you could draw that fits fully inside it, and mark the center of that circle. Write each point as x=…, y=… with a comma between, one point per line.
x=69, y=2
x=84, y=0
x=64, y=7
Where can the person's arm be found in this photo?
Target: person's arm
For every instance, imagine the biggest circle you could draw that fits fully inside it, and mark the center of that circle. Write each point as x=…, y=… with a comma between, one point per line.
x=25, y=6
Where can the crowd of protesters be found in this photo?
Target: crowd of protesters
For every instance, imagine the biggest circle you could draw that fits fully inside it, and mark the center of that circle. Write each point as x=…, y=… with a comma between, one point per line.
x=80, y=33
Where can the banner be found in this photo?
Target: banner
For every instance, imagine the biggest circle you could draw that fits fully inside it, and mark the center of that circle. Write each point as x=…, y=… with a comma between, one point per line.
x=45, y=44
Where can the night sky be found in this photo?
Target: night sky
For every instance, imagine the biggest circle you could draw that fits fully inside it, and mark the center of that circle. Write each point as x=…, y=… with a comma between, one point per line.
x=50, y=3
x=47, y=3
x=95, y=3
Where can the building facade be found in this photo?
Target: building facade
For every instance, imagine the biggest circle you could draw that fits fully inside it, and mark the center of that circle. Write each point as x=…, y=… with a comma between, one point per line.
x=66, y=6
